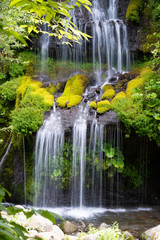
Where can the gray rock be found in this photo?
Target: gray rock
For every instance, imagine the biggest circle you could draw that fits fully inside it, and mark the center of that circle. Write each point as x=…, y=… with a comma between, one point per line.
x=69, y=227
x=152, y=234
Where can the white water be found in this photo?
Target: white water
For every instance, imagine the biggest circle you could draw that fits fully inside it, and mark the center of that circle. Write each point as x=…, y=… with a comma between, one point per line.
x=79, y=157
x=109, y=41
x=6, y=153
x=48, y=157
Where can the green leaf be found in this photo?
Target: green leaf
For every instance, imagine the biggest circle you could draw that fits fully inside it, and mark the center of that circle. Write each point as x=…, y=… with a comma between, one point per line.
x=49, y=215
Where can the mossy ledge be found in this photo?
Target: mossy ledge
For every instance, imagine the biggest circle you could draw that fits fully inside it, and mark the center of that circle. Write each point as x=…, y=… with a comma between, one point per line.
x=134, y=9
x=73, y=91
x=32, y=100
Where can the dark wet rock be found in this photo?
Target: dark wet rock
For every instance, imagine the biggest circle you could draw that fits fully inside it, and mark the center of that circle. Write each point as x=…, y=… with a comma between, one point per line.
x=112, y=79
x=128, y=235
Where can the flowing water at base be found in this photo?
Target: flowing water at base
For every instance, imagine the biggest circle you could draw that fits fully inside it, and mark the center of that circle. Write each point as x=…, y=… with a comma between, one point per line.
x=135, y=220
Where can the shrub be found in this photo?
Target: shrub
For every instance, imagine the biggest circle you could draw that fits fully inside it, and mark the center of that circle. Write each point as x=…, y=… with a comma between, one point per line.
x=26, y=120
x=118, y=96
x=9, y=88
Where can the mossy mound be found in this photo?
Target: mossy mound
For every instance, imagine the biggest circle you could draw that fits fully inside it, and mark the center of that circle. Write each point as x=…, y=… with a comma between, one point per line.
x=31, y=102
x=109, y=94
x=9, y=88
x=93, y=105
x=103, y=106
x=73, y=91
x=134, y=9
x=107, y=87
x=135, y=83
x=118, y=96
x=51, y=88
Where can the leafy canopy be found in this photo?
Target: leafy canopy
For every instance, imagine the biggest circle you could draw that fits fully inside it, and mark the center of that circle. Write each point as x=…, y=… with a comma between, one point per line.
x=57, y=15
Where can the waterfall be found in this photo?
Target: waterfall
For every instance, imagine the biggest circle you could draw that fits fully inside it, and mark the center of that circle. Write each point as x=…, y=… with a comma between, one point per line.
x=44, y=50
x=96, y=155
x=48, y=159
x=79, y=157
x=109, y=41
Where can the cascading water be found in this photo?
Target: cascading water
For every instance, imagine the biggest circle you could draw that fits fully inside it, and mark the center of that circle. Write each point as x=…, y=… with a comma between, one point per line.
x=48, y=159
x=109, y=41
x=79, y=157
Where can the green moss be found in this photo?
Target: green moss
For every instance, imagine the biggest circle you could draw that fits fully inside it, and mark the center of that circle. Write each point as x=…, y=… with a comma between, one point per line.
x=60, y=86
x=74, y=100
x=103, y=106
x=9, y=88
x=93, y=105
x=73, y=91
x=26, y=120
x=134, y=9
x=108, y=94
x=32, y=101
x=107, y=87
x=51, y=88
x=118, y=96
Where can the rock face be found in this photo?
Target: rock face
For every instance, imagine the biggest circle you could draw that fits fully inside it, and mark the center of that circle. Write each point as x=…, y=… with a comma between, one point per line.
x=152, y=233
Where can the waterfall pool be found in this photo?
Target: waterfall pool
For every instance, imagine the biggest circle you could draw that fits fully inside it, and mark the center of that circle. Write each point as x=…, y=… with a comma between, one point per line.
x=133, y=219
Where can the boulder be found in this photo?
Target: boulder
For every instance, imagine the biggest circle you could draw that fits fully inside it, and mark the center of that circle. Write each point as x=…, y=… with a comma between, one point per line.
x=152, y=233
x=128, y=235
x=39, y=223
x=103, y=226
x=68, y=227
x=90, y=237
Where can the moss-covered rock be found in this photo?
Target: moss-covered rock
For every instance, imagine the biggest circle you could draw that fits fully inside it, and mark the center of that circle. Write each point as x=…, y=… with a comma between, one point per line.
x=103, y=106
x=93, y=105
x=134, y=9
x=9, y=88
x=118, y=96
x=109, y=94
x=51, y=88
x=107, y=87
x=73, y=91
x=31, y=102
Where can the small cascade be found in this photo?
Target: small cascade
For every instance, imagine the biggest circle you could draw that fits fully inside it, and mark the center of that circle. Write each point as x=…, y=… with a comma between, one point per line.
x=48, y=160
x=24, y=163
x=96, y=156
x=109, y=51
x=6, y=153
x=44, y=50
x=79, y=157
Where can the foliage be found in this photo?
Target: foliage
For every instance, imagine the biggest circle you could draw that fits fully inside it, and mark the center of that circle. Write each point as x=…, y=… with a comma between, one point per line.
x=26, y=120
x=134, y=179
x=13, y=230
x=73, y=91
x=118, y=96
x=9, y=88
x=114, y=159
x=141, y=111
x=31, y=102
x=134, y=9
x=27, y=14
x=112, y=233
